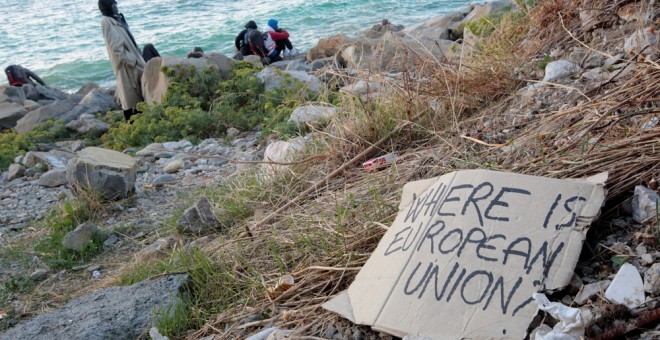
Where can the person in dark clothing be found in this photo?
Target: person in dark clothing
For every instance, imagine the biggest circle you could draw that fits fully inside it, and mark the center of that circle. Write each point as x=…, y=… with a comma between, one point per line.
x=240, y=41
x=149, y=51
x=18, y=75
x=197, y=52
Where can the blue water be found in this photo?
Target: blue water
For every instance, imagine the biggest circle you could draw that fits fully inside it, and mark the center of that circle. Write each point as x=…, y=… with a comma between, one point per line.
x=61, y=40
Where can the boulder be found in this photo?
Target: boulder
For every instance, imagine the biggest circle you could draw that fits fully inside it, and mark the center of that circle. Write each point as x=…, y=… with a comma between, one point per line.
x=79, y=238
x=41, y=92
x=363, y=87
x=87, y=88
x=53, y=159
x=643, y=41
x=559, y=69
x=31, y=105
x=645, y=204
x=96, y=101
x=273, y=79
x=71, y=145
x=435, y=28
x=489, y=8
x=15, y=171
x=282, y=152
x=652, y=280
x=291, y=65
x=87, y=123
x=14, y=94
x=53, y=178
x=199, y=218
x=150, y=150
x=163, y=179
x=328, y=47
x=119, y=312
x=378, y=30
x=110, y=173
x=180, y=145
x=312, y=113
x=10, y=113
x=174, y=166
x=155, y=82
x=43, y=114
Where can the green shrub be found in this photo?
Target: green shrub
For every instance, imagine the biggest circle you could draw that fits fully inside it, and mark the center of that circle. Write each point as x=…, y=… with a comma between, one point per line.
x=13, y=144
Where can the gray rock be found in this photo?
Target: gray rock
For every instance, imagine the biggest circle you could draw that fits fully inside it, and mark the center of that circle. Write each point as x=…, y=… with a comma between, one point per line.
x=42, y=114
x=31, y=105
x=163, y=179
x=14, y=94
x=109, y=173
x=312, y=113
x=174, y=166
x=15, y=171
x=96, y=101
x=164, y=154
x=321, y=63
x=591, y=290
x=233, y=132
x=110, y=241
x=40, y=92
x=645, y=204
x=87, y=88
x=72, y=146
x=86, y=125
x=79, y=238
x=652, y=280
x=273, y=79
x=10, y=113
x=643, y=41
x=291, y=65
x=122, y=312
x=180, y=145
x=362, y=87
x=263, y=335
x=559, y=69
x=53, y=159
x=150, y=150
x=199, y=218
x=53, y=178
x=38, y=274
x=155, y=334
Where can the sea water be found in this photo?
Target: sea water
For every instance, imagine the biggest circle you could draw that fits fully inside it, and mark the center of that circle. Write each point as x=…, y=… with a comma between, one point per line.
x=61, y=40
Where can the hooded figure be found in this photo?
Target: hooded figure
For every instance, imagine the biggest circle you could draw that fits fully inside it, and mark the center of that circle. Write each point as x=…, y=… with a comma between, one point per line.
x=240, y=41
x=276, y=40
x=124, y=54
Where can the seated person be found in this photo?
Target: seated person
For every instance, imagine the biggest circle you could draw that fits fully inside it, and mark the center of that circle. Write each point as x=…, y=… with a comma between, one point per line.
x=277, y=40
x=197, y=52
x=18, y=75
x=242, y=42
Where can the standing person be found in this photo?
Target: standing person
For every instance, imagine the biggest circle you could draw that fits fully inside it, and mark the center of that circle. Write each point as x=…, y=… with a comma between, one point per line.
x=125, y=56
x=18, y=75
x=277, y=40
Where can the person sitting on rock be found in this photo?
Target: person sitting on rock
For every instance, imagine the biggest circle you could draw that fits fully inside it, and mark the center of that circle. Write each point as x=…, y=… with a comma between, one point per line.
x=277, y=40
x=18, y=75
x=241, y=42
x=197, y=52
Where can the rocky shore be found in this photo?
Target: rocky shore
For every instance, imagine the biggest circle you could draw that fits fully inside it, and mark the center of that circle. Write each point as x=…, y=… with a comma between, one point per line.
x=149, y=187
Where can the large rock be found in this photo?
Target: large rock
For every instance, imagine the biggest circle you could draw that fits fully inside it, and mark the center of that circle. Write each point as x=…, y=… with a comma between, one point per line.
x=155, y=82
x=87, y=123
x=174, y=166
x=120, y=312
x=291, y=65
x=283, y=152
x=43, y=114
x=199, y=218
x=489, y=8
x=645, y=204
x=378, y=30
x=312, y=113
x=643, y=41
x=438, y=28
x=96, y=101
x=273, y=79
x=328, y=47
x=15, y=171
x=87, y=88
x=15, y=94
x=652, y=280
x=559, y=69
x=53, y=178
x=53, y=159
x=10, y=113
x=79, y=238
x=40, y=92
x=109, y=173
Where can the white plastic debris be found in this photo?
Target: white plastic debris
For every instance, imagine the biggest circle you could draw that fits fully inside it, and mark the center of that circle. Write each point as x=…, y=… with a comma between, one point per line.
x=96, y=274
x=570, y=325
x=627, y=287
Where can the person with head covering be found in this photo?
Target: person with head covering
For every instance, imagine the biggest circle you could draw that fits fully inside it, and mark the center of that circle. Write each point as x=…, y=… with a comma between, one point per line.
x=18, y=75
x=197, y=52
x=242, y=42
x=277, y=40
x=125, y=56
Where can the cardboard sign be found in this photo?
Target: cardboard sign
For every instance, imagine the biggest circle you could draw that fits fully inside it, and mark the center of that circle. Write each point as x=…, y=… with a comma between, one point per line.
x=467, y=251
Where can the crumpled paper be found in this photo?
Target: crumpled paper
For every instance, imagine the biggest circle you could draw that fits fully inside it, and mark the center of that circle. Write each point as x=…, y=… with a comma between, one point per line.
x=570, y=326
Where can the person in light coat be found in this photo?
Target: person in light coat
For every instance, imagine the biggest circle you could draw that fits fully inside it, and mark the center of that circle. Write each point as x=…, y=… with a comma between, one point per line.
x=125, y=56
